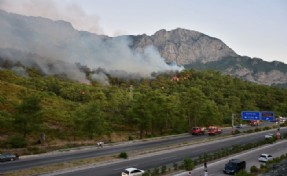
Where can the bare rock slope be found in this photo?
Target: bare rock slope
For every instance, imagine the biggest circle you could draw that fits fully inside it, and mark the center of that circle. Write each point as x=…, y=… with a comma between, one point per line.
x=199, y=51
x=185, y=46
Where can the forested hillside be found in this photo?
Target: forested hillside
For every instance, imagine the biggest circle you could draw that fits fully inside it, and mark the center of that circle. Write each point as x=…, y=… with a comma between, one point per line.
x=171, y=103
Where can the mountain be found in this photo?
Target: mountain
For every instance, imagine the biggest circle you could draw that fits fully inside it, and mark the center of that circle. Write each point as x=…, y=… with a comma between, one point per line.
x=185, y=46
x=56, y=48
x=198, y=51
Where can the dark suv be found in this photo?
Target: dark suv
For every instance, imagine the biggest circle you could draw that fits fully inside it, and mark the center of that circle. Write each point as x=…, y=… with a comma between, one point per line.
x=8, y=157
x=233, y=166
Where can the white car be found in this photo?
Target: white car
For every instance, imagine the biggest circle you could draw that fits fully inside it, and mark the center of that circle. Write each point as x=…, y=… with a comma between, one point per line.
x=269, y=136
x=239, y=126
x=265, y=157
x=132, y=172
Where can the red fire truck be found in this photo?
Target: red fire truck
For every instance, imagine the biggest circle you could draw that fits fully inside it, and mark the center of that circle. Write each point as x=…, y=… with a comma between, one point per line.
x=254, y=122
x=197, y=130
x=213, y=130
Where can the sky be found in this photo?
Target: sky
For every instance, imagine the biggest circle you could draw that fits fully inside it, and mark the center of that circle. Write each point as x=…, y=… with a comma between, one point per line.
x=254, y=28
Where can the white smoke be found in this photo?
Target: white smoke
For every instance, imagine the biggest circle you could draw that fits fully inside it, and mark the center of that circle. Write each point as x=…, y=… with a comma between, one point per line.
x=20, y=71
x=55, y=10
x=101, y=78
x=55, y=47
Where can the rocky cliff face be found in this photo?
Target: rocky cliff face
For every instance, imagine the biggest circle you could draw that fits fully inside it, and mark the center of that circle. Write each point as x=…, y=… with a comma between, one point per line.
x=185, y=46
x=196, y=50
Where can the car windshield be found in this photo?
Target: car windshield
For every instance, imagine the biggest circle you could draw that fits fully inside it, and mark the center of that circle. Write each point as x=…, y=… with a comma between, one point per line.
x=229, y=166
x=135, y=171
x=263, y=156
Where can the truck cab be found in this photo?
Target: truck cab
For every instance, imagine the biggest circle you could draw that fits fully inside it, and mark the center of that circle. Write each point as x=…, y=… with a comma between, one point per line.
x=213, y=130
x=254, y=122
x=197, y=130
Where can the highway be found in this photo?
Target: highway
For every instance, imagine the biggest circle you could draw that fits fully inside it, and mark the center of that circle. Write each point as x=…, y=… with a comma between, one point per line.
x=40, y=160
x=251, y=157
x=164, y=157
x=93, y=151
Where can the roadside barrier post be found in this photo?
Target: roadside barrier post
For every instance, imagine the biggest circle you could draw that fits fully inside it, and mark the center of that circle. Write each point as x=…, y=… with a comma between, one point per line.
x=278, y=135
x=205, y=169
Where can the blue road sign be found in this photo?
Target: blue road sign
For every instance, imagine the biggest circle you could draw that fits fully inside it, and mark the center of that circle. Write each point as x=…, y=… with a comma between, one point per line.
x=250, y=115
x=267, y=115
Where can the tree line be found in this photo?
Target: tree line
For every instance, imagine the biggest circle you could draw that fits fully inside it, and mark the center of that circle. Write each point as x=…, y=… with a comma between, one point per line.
x=168, y=104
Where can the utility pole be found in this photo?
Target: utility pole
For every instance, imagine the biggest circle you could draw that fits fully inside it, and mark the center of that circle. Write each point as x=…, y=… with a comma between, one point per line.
x=278, y=123
x=278, y=130
x=205, y=165
x=232, y=120
x=205, y=169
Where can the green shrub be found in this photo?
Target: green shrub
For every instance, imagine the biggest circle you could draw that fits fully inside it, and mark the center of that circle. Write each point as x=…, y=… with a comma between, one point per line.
x=150, y=135
x=181, y=166
x=200, y=159
x=266, y=128
x=155, y=172
x=123, y=155
x=196, y=162
x=175, y=166
x=254, y=169
x=163, y=169
x=188, y=164
x=147, y=173
x=271, y=140
x=242, y=173
x=250, y=131
x=236, y=132
x=16, y=142
x=36, y=150
x=257, y=129
x=263, y=166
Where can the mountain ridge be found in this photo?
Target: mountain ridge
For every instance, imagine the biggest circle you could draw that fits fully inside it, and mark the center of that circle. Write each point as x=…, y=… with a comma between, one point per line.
x=185, y=46
x=211, y=53
x=56, y=43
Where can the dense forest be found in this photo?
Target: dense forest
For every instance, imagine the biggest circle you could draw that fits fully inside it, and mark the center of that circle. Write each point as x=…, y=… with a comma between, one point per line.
x=171, y=103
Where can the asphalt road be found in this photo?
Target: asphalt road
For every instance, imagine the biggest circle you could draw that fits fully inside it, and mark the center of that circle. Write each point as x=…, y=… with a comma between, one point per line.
x=92, y=152
x=251, y=157
x=164, y=158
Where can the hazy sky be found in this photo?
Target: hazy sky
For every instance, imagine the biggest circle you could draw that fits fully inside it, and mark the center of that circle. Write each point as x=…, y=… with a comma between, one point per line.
x=255, y=28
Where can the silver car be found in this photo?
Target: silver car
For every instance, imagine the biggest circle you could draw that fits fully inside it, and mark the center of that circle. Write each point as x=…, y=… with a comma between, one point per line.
x=132, y=172
x=265, y=157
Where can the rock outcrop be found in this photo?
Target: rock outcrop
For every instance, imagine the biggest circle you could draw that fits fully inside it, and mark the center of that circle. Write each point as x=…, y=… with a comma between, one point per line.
x=193, y=49
x=185, y=46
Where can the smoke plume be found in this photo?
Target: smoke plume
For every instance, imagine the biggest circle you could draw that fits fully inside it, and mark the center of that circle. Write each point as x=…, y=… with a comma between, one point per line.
x=55, y=47
x=55, y=10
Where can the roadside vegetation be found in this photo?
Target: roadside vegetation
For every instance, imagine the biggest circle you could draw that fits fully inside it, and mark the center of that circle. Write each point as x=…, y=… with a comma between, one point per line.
x=40, y=113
